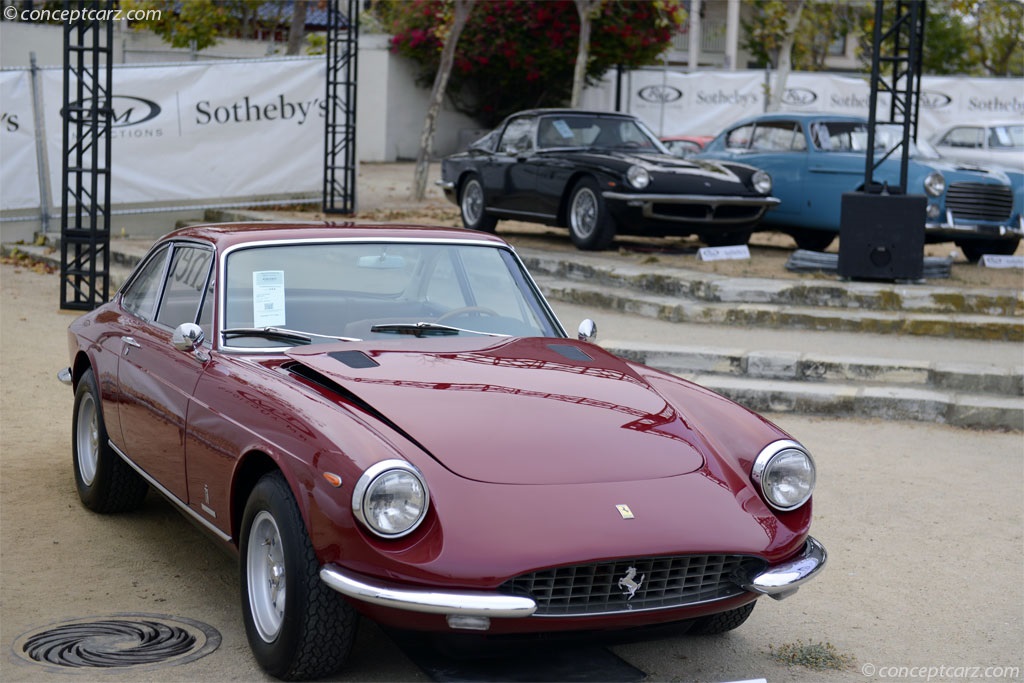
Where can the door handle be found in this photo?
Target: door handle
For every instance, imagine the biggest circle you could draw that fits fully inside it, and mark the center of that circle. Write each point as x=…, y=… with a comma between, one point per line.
x=130, y=341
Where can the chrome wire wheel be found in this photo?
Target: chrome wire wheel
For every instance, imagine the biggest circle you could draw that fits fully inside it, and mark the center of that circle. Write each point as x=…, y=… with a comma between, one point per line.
x=265, y=566
x=472, y=202
x=583, y=214
x=87, y=439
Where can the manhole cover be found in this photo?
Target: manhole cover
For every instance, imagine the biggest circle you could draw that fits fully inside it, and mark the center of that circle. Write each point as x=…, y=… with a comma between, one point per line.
x=118, y=641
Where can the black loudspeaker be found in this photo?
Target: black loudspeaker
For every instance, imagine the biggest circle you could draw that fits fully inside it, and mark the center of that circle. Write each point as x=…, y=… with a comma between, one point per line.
x=881, y=236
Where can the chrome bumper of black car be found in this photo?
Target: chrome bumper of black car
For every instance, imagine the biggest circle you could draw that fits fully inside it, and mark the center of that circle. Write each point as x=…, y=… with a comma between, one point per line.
x=778, y=581
x=711, y=205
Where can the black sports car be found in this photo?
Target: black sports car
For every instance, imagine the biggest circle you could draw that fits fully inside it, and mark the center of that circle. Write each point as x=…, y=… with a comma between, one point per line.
x=598, y=174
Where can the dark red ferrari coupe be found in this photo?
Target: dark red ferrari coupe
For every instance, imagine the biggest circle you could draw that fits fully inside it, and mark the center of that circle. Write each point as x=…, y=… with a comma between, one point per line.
x=390, y=421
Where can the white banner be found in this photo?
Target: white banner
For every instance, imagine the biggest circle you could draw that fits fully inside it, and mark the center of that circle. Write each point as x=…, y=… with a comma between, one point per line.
x=207, y=133
x=19, y=176
x=705, y=102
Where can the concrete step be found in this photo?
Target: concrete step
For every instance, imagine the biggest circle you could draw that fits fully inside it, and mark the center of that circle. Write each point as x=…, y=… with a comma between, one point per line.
x=681, y=284
x=978, y=326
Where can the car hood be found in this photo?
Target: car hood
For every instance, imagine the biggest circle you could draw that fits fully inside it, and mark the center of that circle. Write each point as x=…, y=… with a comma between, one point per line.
x=658, y=163
x=517, y=410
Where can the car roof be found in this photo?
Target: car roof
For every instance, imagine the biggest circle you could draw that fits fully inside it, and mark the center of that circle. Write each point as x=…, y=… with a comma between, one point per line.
x=570, y=112
x=225, y=235
x=800, y=116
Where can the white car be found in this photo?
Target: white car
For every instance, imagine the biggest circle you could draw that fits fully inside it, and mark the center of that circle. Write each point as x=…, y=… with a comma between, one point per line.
x=996, y=143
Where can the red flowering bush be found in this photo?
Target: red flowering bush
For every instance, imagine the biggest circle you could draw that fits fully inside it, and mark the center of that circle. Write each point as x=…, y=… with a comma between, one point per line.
x=516, y=55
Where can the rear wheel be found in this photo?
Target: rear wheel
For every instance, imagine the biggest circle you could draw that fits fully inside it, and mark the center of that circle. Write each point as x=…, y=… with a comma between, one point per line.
x=105, y=482
x=722, y=622
x=297, y=627
x=591, y=227
x=473, y=208
x=975, y=249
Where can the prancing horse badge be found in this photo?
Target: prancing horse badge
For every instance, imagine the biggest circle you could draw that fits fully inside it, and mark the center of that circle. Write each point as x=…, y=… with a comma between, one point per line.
x=624, y=511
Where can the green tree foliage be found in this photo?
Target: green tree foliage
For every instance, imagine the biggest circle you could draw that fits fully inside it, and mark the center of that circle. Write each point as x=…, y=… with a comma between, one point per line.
x=185, y=23
x=821, y=25
x=516, y=55
x=996, y=29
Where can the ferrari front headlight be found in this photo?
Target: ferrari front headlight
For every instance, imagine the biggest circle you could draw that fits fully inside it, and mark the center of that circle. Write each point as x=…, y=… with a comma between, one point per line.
x=638, y=177
x=391, y=498
x=785, y=473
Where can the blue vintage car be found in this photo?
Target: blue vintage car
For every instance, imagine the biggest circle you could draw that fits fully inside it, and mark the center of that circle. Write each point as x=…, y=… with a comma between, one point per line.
x=814, y=158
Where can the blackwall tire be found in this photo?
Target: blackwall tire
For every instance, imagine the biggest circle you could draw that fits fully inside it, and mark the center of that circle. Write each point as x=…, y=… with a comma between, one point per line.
x=473, y=207
x=297, y=627
x=105, y=482
x=591, y=227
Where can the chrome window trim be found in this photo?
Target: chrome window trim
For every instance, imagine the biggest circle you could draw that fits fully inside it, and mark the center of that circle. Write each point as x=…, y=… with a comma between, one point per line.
x=222, y=258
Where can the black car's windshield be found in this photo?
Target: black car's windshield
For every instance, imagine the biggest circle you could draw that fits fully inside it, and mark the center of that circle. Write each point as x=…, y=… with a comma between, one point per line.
x=299, y=293
x=852, y=136
x=602, y=132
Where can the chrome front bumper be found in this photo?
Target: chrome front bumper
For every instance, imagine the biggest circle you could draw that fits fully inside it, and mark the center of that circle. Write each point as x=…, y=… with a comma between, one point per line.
x=784, y=579
x=779, y=581
x=953, y=229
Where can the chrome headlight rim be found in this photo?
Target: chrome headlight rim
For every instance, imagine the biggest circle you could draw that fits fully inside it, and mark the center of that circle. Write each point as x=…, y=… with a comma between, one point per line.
x=767, y=458
x=638, y=176
x=761, y=182
x=371, y=476
x=934, y=184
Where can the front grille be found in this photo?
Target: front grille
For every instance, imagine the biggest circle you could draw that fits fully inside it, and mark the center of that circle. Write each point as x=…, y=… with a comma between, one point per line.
x=603, y=588
x=706, y=212
x=979, y=202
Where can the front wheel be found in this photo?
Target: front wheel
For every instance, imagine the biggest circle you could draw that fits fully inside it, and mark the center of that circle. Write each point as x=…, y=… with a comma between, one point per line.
x=591, y=227
x=722, y=622
x=105, y=482
x=975, y=249
x=297, y=627
x=473, y=208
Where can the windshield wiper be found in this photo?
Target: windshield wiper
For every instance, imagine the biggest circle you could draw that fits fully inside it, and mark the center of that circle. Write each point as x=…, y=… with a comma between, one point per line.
x=421, y=329
x=280, y=334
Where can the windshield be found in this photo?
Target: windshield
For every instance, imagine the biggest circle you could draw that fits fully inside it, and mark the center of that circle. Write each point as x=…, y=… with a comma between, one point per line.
x=570, y=130
x=852, y=136
x=326, y=291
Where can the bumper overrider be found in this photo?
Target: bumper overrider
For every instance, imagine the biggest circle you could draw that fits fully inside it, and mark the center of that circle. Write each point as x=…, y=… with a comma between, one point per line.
x=472, y=609
x=712, y=205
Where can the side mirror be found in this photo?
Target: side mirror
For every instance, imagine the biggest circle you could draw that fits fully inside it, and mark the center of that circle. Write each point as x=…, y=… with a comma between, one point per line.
x=587, y=331
x=188, y=337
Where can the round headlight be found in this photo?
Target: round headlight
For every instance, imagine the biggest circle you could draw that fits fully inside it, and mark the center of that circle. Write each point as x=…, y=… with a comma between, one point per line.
x=762, y=182
x=785, y=473
x=638, y=177
x=934, y=184
x=391, y=498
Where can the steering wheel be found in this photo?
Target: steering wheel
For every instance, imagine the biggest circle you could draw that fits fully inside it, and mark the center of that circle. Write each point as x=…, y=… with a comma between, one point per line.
x=466, y=310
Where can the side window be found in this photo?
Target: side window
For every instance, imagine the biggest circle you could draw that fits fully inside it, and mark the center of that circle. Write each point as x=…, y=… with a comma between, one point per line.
x=964, y=137
x=141, y=296
x=777, y=136
x=518, y=136
x=185, y=284
x=739, y=138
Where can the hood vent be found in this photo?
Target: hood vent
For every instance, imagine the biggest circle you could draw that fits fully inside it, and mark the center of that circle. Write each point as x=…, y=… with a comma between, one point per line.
x=571, y=352
x=354, y=359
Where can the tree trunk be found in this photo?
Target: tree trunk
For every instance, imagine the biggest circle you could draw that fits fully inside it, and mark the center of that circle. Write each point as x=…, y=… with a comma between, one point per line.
x=297, y=30
x=444, y=69
x=586, y=10
x=785, y=65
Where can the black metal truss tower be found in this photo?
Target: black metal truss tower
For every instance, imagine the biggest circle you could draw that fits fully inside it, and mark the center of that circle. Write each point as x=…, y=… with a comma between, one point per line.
x=85, y=184
x=896, y=71
x=340, y=124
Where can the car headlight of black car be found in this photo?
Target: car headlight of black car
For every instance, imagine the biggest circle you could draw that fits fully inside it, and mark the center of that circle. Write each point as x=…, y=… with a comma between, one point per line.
x=761, y=181
x=391, y=498
x=785, y=474
x=638, y=177
x=934, y=184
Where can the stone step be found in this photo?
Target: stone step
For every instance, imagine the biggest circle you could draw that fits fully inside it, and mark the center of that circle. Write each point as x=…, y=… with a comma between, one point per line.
x=689, y=285
x=820, y=369
x=878, y=402
x=805, y=317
